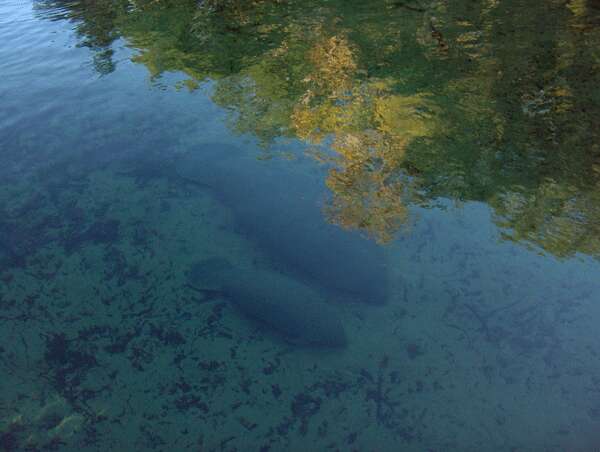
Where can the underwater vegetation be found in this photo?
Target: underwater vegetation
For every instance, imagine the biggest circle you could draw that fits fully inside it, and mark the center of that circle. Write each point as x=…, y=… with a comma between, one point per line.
x=278, y=206
x=48, y=426
x=285, y=305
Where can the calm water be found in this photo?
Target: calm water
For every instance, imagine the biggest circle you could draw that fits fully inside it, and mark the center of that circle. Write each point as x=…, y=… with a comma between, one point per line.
x=300, y=225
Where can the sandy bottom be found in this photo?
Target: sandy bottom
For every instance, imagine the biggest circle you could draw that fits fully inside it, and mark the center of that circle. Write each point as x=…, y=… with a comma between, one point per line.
x=482, y=345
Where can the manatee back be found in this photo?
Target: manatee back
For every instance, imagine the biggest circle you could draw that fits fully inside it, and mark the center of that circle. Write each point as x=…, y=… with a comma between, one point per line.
x=291, y=308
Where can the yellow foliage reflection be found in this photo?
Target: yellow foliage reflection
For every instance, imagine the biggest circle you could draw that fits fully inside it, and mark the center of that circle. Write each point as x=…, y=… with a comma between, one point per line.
x=370, y=127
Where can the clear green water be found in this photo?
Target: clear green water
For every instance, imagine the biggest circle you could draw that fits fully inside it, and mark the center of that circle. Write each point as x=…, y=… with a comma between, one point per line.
x=300, y=226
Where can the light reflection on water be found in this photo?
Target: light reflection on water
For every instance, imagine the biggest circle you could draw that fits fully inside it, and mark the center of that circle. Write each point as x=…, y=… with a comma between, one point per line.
x=414, y=168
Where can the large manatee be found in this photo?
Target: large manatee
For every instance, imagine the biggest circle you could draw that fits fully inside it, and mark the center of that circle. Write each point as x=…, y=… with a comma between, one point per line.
x=278, y=204
x=283, y=304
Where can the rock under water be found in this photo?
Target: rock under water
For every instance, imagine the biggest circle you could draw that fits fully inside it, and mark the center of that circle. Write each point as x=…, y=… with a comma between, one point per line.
x=278, y=204
x=294, y=310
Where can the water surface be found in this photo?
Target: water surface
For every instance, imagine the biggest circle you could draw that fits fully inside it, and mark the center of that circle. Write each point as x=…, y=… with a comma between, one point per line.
x=427, y=172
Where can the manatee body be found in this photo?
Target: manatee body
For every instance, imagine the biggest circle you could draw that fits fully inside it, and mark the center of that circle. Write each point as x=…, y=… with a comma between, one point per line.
x=278, y=204
x=283, y=304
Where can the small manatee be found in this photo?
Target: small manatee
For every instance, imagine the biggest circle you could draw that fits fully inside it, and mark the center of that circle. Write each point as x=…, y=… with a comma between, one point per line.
x=285, y=305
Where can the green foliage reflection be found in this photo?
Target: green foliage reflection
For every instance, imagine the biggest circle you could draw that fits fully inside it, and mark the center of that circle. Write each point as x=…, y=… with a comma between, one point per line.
x=490, y=101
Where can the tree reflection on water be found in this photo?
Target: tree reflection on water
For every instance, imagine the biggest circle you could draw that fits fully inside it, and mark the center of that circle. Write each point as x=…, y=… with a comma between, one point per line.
x=406, y=102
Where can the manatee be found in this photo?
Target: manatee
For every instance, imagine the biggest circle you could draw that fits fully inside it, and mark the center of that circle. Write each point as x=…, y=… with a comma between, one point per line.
x=278, y=205
x=294, y=310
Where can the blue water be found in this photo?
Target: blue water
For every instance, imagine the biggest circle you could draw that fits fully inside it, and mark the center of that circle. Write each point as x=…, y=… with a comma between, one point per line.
x=114, y=184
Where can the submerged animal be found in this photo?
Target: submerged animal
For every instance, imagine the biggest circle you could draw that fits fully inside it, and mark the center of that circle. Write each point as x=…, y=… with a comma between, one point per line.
x=294, y=310
x=278, y=204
